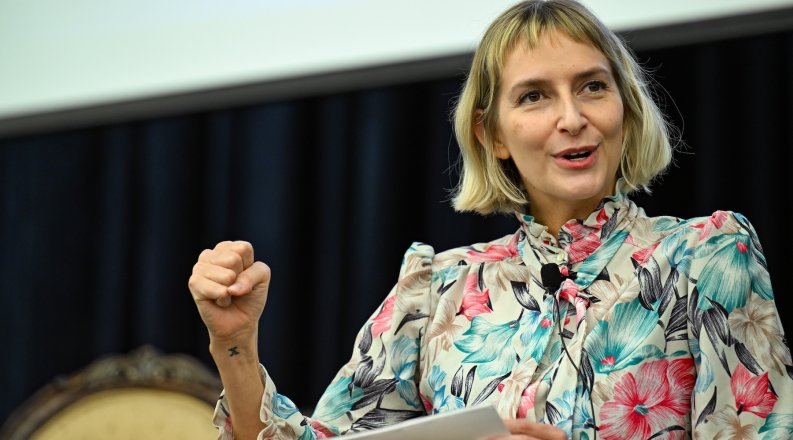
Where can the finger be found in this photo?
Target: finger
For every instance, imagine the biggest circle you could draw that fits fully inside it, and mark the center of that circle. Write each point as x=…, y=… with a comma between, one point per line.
x=204, y=289
x=243, y=248
x=539, y=430
x=224, y=301
x=218, y=274
x=257, y=274
x=513, y=437
x=228, y=259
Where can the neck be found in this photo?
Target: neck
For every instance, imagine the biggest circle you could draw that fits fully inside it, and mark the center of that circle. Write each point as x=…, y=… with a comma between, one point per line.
x=554, y=214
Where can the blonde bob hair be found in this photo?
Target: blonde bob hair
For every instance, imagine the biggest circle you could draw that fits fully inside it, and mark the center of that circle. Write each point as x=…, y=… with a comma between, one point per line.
x=488, y=184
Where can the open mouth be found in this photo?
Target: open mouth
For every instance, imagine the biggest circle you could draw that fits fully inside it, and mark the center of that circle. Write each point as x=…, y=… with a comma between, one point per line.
x=581, y=155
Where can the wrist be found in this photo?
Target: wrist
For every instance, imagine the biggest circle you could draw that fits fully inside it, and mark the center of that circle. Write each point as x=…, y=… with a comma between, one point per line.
x=240, y=347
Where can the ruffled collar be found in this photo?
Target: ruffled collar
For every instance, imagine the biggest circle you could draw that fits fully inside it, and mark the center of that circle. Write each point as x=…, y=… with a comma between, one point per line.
x=578, y=238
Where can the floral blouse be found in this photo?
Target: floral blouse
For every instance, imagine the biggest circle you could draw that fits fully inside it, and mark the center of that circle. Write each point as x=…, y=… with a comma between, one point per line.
x=661, y=328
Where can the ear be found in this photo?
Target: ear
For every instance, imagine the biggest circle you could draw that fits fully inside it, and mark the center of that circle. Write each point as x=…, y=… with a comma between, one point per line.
x=499, y=149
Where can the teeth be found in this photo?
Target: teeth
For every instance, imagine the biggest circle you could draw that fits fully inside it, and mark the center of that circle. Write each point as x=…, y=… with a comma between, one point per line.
x=575, y=156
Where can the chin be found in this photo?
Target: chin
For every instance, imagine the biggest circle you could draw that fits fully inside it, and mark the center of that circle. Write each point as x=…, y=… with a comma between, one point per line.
x=588, y=187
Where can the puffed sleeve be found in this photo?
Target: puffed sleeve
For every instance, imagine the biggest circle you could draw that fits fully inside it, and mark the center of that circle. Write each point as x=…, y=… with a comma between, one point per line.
x=744, y=385
x=379, y=385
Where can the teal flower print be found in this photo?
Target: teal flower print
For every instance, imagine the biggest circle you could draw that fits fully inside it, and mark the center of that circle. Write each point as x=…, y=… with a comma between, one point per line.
x=337, y=400
x=442, y=402
x=486, y=345
x=725, y=279
x=614, y=344
x=282, y=406
x=777, y=427
x=403, y=361
x=536, y=329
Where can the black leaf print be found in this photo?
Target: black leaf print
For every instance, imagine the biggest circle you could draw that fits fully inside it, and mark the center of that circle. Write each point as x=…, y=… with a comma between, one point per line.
x=410, y=317
x=723, y=360
x=677, y=322
x=553, y=414
x=488, y=390
x=445, y=287
x=667, y=430
x=649, y=284
x=469, y=382
x=362, y=372
x=564, y=237
x=374, y=392
x=717, y=317
x=695, y=313
x=747, y=359
x=708, y=410
x=481, y=277
x=367, y=371
x=379, y=417
x=457, y=382
x=586, y=372
x=521, y=291
x=610, y=225
x=602, y=276
x=366, y=340
x=669, y=290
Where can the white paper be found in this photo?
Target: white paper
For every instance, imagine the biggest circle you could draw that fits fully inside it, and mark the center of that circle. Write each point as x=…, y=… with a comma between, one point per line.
x=474, y=423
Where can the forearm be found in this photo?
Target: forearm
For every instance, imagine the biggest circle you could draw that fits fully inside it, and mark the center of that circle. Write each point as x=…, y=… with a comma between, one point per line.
x=238, y=364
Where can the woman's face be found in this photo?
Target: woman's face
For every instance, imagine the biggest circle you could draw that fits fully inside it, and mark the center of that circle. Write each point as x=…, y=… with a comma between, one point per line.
x=560, y=119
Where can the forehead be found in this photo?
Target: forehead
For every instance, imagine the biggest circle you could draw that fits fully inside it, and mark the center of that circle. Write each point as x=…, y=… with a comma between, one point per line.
x=553, y=53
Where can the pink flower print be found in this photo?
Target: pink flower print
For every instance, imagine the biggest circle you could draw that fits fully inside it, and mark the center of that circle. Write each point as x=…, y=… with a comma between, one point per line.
x=602, y=217
x=426, y=402
x=585, y=241
x=656, y=397
x=569, y=293
x=495, y=252
x=382, y=321
x=714, y=222
x=643, y=255
x=475, y=301
x=526, y=399
x=751, y=392
x=321, y=430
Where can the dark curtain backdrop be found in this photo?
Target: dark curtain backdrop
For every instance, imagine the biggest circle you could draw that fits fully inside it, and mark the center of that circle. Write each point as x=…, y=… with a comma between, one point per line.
x=100, y=226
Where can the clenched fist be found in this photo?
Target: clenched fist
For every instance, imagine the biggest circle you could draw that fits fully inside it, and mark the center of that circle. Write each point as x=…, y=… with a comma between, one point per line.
x=230, y=290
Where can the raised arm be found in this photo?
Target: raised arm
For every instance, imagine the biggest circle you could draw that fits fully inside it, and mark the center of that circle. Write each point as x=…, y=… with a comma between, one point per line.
x=230, y=291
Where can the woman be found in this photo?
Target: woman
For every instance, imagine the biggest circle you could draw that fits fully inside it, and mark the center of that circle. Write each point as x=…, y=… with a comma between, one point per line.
x=591, y=321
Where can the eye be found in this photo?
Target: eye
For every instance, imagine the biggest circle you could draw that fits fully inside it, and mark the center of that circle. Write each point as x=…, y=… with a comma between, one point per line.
x=530, y=97
x=595, y=86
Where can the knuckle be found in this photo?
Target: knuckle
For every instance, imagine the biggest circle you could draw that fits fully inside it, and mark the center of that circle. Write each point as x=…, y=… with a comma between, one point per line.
x=242, y=246
x=227, y=277
x=229, y=260
x=206, y=254
x=191, y=282
x=222, y=245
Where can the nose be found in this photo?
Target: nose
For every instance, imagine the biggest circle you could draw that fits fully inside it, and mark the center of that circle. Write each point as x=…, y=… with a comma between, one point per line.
x=571, y=120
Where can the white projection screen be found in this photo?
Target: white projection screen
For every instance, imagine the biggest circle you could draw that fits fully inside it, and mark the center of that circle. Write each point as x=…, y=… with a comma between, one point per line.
x=57, y=55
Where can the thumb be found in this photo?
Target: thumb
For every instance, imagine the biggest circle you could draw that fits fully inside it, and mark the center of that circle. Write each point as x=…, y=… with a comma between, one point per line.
x=257, y=276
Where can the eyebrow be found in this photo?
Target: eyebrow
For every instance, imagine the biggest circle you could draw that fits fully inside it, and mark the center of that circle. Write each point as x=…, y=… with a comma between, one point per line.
x=529, y=82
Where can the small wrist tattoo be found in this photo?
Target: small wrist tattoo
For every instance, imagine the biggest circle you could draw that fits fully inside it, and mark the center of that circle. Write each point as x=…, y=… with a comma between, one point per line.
x=233, y=351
